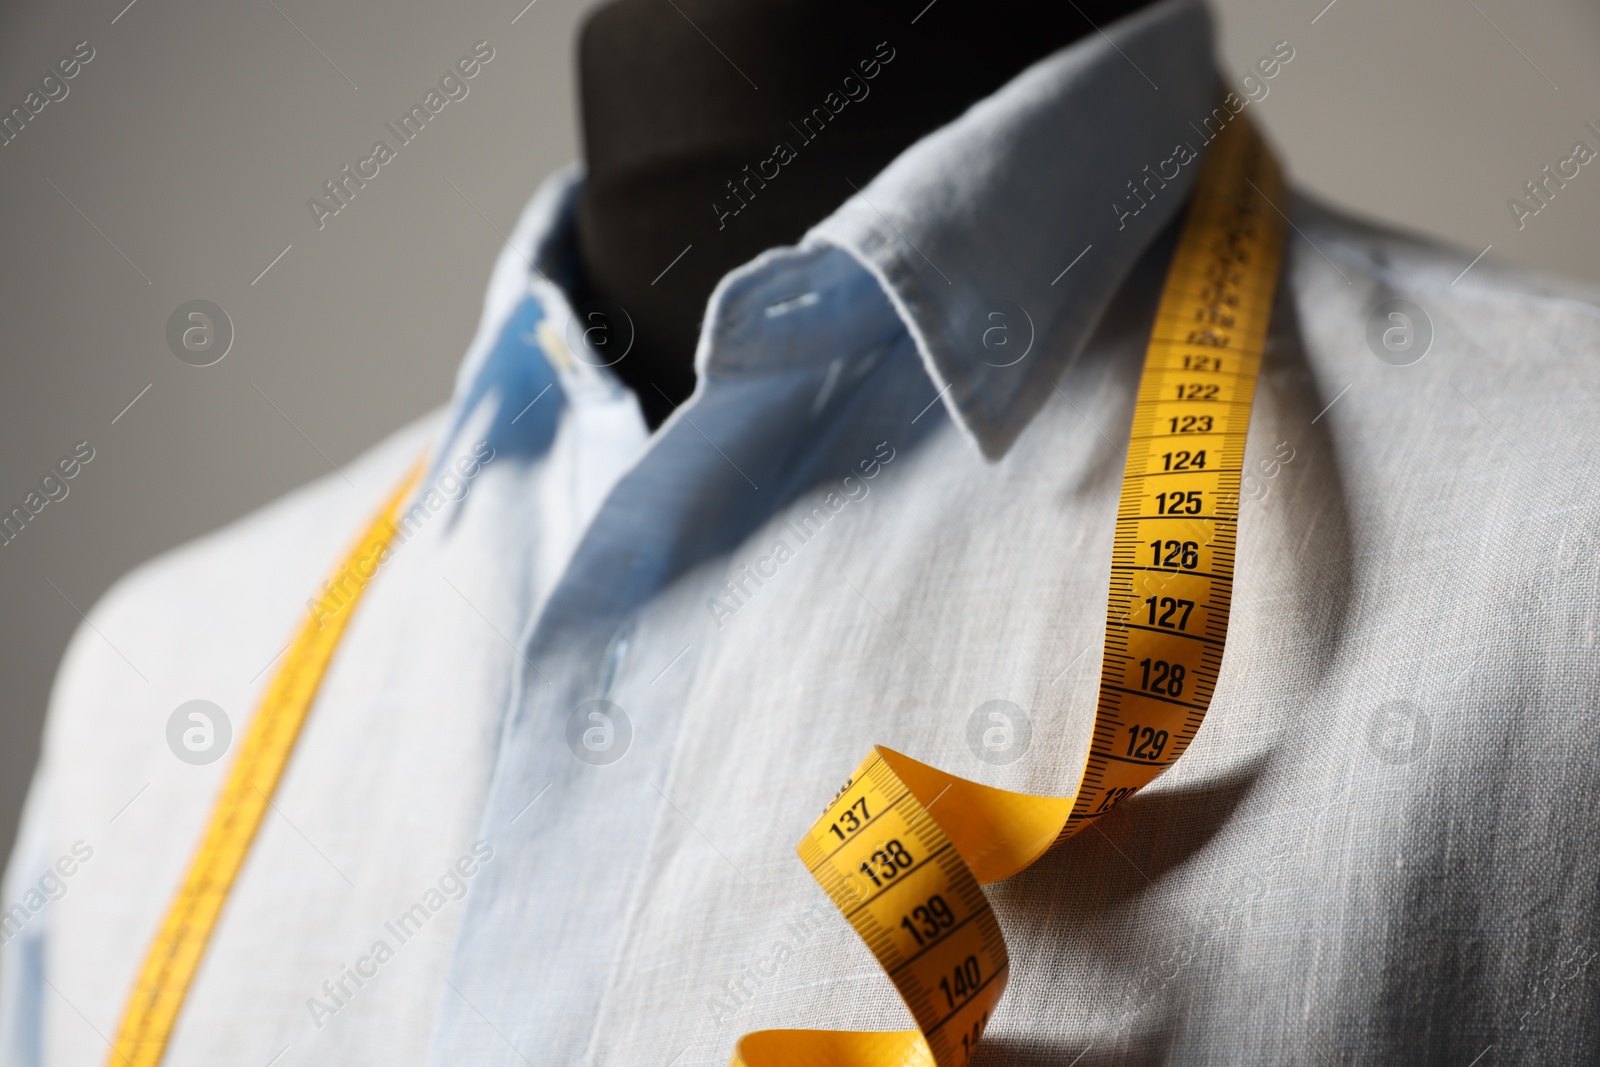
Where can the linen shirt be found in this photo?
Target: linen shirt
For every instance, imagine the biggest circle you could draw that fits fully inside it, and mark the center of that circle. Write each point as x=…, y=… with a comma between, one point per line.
x=865, y=525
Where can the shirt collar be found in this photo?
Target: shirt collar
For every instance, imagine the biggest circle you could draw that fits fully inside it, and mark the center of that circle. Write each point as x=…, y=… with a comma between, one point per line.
x=1024, y=208
x=1033, y=206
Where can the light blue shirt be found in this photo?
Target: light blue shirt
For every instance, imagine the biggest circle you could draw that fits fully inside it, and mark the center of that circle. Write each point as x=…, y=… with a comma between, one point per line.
x=559, y=766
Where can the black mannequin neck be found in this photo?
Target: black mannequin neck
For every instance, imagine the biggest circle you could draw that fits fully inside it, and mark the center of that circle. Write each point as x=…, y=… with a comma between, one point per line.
x=682, y=142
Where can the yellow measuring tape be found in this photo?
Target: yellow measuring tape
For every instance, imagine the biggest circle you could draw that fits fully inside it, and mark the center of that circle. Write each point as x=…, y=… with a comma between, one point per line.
x=906, y=878
x=903, y=847
x=171, y=963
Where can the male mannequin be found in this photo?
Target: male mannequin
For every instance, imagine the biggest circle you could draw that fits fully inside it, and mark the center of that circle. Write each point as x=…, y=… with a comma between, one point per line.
x=668, y=124
x=862, y=531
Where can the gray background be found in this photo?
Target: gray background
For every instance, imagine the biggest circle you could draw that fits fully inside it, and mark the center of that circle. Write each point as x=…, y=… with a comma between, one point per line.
x=194, y=137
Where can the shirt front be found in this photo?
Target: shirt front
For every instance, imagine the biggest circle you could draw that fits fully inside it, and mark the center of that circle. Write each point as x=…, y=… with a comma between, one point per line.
x=614, y=676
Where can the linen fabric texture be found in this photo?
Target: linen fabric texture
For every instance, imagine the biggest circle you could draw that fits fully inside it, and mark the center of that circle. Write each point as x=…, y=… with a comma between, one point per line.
x=1381, y=847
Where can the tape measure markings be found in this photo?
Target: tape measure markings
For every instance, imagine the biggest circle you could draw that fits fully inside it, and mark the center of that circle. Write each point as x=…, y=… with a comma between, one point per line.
x=946, y=954
x=1167, y=612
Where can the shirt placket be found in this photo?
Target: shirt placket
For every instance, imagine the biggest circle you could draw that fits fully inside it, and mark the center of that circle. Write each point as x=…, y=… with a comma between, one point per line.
x=619, y=636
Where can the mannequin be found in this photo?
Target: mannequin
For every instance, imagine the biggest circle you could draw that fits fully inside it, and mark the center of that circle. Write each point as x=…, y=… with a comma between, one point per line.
x=680, y=141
